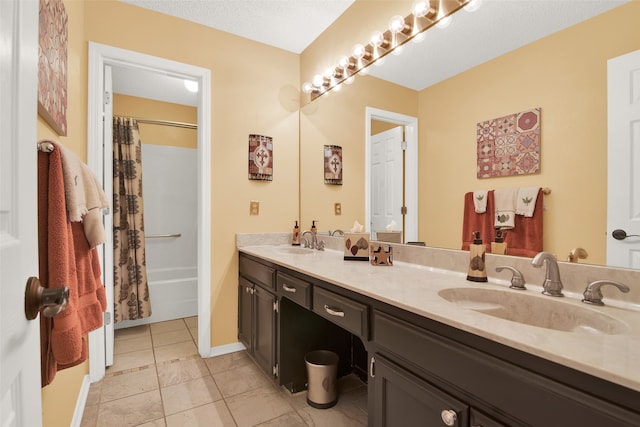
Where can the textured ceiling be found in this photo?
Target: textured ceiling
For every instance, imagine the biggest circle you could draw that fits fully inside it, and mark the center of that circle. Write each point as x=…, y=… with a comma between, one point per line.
x=288, y=24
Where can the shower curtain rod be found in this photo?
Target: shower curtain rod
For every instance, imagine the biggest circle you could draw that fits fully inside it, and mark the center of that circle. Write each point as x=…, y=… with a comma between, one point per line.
x=163, y=122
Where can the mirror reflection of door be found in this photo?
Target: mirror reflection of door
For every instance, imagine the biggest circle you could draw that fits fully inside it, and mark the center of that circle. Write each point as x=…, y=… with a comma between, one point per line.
x=391, y=174
x=387, y=176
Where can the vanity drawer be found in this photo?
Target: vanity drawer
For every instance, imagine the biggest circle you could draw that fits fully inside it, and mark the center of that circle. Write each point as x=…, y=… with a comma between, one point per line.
x=344, y=312
x=295, y=289
x=257, y=273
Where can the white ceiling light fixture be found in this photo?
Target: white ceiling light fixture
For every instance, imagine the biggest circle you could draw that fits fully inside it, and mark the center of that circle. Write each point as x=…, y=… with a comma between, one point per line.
x=191, y=85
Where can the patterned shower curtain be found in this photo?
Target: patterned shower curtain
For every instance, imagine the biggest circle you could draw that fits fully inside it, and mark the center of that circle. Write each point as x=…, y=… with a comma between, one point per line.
x=130, y=271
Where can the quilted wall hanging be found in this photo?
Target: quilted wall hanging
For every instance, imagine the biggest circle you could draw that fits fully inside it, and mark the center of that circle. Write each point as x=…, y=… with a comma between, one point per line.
x=333, y=164
x=260, y=158
x=509, y=145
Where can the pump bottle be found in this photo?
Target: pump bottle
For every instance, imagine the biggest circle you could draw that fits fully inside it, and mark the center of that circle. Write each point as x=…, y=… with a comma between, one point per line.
x=295, y=238
x=477, y=269
x=498, y=246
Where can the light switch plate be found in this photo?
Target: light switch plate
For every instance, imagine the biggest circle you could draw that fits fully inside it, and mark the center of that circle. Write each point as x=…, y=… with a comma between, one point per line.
x=254, y=207
x=337, y=208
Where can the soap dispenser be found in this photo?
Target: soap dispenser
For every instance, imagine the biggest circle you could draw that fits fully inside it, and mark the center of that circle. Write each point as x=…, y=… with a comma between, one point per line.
x=295, y=238
x=477, y=270
x=498, y=246
x=314, y=230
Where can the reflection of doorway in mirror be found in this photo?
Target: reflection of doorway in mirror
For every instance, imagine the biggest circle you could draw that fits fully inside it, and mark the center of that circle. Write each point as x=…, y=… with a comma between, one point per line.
x=408, y=187
x=387, y=173
x=623, y=160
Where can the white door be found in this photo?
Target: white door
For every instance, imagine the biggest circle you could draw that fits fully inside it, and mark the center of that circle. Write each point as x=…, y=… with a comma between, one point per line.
x=623, y=210
x=387, y=175
x=19, y=338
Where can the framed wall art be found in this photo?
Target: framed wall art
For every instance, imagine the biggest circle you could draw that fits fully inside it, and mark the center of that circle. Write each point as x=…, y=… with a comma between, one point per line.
x=52, y=65
x=333, y=164
x=260, y=158
x=509, y=145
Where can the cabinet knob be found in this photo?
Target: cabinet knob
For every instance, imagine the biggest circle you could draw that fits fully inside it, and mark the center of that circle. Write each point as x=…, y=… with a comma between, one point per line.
x=449, y=417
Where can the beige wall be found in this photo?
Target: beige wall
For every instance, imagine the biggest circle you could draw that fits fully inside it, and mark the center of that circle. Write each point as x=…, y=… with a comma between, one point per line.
x=254, y=90
x=132, y=106
x=566, y=75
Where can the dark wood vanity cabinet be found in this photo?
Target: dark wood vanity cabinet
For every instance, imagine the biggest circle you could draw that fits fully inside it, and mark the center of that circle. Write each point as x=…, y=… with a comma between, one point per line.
x=258, y=314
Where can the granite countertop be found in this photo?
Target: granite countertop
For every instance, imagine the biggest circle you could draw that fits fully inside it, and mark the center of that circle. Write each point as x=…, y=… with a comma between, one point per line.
x=415, y=288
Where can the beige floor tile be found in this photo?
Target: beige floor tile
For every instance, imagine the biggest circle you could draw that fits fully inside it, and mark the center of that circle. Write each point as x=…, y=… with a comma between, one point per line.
x=245, y=378
x=214, y=414
x=131, y=411
x=330, y=418
x=133, y=359
x=129, y=383
x=191, y=322
x=169, y=325
x=93, y=397
x=89, y=416
x=129, y=333
x=190, y=394
x=292, y=419
x=171, y=337
x=257, y=406
x=194, y=333
x=228, y=361
x=178, y=372
x=142, y=342
x=155, y=423
x=182, y=350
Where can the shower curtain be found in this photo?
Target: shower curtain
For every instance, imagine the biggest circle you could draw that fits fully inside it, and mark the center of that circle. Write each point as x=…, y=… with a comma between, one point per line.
x=130, y=271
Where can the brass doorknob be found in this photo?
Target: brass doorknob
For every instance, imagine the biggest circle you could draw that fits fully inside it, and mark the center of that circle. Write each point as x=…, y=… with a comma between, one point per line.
x=51, y=301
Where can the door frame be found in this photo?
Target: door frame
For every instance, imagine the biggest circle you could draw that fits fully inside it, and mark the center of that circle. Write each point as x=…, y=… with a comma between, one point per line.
x=99, y=56
x=411, y=172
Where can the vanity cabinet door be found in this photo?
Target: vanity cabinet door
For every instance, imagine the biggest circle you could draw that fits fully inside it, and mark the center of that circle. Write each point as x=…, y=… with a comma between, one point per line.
x=478, y=419
x=245, y=312
x=264, y=328
x=404, y=399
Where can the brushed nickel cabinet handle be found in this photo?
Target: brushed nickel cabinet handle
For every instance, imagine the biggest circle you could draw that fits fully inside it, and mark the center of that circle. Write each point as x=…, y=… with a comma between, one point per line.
x=333, y=311
x=288, y=288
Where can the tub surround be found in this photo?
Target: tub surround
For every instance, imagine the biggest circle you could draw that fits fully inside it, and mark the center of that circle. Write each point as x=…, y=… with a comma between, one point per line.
x=418, y=273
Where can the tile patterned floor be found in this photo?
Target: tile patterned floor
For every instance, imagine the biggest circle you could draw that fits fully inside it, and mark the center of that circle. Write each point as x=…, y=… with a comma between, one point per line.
x=159, y=380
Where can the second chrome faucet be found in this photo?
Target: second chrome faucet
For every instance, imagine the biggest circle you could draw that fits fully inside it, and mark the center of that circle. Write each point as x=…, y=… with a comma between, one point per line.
x=552, y=285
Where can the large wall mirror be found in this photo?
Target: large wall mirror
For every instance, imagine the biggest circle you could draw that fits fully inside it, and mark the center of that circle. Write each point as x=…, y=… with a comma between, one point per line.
x=563, y=72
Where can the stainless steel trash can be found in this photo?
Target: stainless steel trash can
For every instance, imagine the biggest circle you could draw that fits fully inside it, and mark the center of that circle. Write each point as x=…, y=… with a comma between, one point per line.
x=322, y=372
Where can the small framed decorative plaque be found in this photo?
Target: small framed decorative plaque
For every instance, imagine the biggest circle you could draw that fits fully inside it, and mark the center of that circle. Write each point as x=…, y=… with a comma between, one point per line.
x=260, y=158
x=509, y=145
x=333, y=164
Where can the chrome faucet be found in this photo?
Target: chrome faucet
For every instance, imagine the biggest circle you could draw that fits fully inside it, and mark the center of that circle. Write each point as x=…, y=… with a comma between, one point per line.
x=593, y=294
x=334, y=232
x=314, y=243
x=517, y=280
x=552, y=285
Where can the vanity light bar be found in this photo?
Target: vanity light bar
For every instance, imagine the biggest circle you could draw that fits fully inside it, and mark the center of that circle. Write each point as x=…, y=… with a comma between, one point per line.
x=425, y=14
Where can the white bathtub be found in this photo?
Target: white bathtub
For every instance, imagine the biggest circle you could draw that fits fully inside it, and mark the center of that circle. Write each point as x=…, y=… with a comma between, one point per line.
x=173, y=293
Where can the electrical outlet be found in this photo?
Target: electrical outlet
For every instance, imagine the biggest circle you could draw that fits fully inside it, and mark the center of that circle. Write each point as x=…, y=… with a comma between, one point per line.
x=254, y=207
x=337, y=208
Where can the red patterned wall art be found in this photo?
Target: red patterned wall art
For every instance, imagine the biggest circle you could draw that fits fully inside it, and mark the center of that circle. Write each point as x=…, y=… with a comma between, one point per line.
x=52, y=64
x=509, y=145
x=260, y=158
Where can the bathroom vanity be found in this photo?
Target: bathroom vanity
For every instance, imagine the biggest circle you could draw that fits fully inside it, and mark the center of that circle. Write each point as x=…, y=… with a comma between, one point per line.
x=428, y=361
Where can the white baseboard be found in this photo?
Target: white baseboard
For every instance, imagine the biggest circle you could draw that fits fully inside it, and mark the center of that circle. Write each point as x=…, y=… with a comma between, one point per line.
x=76, y=421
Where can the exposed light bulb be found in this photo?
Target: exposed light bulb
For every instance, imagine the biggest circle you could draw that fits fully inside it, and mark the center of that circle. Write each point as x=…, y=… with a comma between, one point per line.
x=472, y=5
x=420, y=8
x=344, y=62
x=444, y=22
x=307, y=87
x=317, y=81
x=358, y=51
x=396, y=24
x=377, y=39
x=191, y=85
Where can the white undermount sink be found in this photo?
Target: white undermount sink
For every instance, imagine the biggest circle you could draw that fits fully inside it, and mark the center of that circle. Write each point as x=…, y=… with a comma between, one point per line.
x=534, y=310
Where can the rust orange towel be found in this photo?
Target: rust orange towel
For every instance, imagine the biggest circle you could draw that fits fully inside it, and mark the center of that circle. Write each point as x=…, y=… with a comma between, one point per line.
x=65, y=259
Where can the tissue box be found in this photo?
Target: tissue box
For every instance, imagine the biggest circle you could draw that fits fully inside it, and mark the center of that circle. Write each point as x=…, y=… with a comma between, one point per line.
x=389, y=236
x=356, y=246
x=381, y=254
